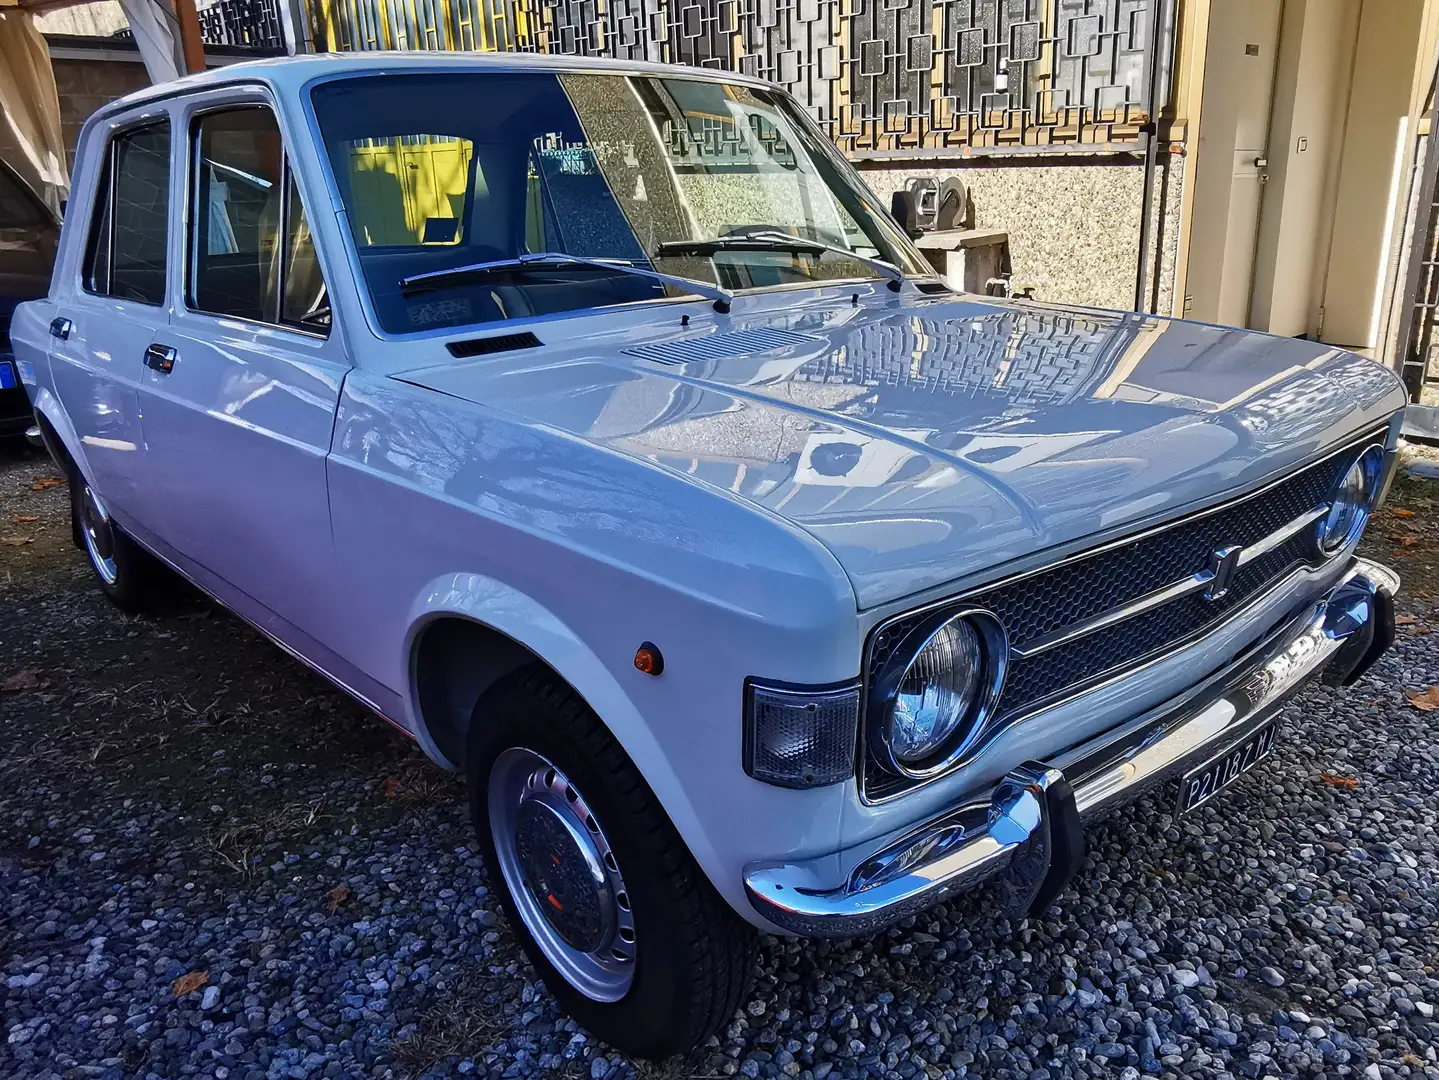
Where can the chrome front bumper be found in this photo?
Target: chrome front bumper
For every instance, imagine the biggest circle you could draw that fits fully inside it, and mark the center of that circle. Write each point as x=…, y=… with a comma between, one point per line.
x=1028, y=831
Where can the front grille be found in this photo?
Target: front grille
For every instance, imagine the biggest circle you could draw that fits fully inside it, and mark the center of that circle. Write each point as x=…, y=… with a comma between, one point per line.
x=1079, y=589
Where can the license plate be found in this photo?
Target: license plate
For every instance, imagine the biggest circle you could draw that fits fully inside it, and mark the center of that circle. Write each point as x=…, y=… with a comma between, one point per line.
x=1200, y=785
x=8, y=381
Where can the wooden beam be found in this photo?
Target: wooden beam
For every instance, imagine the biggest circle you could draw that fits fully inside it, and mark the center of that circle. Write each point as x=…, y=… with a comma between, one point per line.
x=190, y=43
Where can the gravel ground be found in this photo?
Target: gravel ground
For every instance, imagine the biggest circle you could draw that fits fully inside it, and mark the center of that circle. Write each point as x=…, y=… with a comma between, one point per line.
x=213, y=864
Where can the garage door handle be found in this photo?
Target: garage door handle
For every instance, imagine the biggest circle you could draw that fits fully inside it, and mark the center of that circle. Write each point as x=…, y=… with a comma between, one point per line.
x=161, y=358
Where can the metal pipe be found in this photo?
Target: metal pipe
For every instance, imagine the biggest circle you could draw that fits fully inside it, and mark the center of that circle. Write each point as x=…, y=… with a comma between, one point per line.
x=1160, y=9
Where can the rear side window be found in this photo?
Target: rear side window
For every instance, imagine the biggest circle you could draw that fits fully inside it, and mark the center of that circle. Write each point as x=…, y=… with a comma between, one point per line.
x=129, y=228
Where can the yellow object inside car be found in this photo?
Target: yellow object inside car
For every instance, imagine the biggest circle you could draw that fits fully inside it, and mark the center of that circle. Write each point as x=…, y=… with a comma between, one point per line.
x=405, y=190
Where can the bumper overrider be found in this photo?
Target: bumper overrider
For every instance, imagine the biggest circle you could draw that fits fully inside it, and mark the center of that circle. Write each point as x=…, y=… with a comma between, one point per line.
x=1028, y=833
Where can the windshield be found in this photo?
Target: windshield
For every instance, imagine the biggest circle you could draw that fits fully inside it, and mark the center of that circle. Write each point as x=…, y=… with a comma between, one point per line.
x=684, y=177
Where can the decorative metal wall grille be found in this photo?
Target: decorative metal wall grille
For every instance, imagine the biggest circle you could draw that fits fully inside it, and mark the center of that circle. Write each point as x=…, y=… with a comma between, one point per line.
x=242, y=24
x=250, y=24
x=881, y=76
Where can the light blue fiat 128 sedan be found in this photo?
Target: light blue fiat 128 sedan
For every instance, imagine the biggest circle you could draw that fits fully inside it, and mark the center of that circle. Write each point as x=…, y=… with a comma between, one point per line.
x=594, y=425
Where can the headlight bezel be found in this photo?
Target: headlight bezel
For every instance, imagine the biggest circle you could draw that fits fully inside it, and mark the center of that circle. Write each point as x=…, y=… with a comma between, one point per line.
x=885, y=682
x=1371, y=460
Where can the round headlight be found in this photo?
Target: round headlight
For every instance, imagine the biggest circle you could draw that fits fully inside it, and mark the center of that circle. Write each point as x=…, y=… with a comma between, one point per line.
x=936, y=692
x=1351, y=501
x=936, y=697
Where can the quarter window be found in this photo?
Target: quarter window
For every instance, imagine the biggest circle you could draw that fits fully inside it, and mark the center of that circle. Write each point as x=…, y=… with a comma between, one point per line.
x=252, y=253
x=129, y=227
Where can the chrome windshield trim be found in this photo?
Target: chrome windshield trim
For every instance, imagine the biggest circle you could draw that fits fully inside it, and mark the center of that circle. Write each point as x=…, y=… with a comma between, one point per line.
x=1183, y=587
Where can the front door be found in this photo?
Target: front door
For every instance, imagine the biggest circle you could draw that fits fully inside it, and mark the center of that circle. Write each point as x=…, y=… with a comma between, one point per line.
x=240, y=391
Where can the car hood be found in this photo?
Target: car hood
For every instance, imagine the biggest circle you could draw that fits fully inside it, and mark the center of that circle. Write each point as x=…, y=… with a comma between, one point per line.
x=929, y=441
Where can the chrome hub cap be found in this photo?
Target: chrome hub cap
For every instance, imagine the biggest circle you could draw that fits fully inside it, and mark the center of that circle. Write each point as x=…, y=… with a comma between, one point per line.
x=562, y=874
x=99, y=538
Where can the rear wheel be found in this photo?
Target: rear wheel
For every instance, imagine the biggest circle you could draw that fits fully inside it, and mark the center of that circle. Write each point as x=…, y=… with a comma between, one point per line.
x=608, y=903
x=132, y=578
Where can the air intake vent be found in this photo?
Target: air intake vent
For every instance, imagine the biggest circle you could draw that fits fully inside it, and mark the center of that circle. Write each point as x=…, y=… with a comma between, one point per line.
x=932, y=287
x=499, y=343
x=720, y=346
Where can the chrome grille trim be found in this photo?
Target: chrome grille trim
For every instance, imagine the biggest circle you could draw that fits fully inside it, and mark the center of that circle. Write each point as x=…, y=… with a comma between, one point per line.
x=1280, y=559
x=1183, y=587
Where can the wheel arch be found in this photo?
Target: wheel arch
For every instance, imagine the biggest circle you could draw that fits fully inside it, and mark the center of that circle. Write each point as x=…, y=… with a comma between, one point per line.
x=60, y=439
x=461, y=613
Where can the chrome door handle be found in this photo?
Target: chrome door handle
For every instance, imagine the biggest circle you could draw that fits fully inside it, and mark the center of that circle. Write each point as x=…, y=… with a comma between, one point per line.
x=60, y=328
x=161, y=358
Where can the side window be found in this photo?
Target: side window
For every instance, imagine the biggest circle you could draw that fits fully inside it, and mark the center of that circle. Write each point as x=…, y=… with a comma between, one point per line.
x=128, y=229
x=251, y=252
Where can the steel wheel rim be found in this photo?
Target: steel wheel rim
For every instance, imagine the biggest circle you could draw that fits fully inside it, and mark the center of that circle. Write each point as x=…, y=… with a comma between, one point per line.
x=562, y=875
x=99, y=536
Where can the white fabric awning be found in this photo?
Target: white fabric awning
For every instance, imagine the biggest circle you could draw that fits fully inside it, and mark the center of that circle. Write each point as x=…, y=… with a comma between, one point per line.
x=31, y=141
x=157, y=36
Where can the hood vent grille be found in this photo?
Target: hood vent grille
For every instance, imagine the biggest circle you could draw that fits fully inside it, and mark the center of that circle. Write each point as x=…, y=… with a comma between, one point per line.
x=498, y=343
x=720, y=346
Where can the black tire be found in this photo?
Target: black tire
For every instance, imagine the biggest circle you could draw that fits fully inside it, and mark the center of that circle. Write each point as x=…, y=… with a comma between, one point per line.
x=695, y=957
x=129, y=576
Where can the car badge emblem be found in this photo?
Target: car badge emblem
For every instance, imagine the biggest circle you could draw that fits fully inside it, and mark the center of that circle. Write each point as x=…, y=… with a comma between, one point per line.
x=1223, y=564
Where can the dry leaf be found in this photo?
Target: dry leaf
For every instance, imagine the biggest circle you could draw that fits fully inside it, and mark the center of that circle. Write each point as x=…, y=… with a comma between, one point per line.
x=26, y=679
x=1425, y=700
x=1403, y=620
x=45, y=483
x=1421, y=630
x=1348, y=783
x=340, y=894
x=1407, y=540
x=390, y=787
x=16, y=541
x=1400, y=512
x=189, y=983
x=1413, y=1060
x=25, y=519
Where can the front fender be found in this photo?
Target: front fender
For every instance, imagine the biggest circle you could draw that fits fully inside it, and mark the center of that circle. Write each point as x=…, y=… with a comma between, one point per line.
x=523, y=619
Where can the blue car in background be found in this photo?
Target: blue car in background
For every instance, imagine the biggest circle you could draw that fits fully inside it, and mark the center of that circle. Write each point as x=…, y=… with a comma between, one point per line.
x=29, y=233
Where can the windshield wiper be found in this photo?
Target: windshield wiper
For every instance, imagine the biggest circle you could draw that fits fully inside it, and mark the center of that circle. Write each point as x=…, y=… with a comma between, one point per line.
x=778, y=241
x=542, y=260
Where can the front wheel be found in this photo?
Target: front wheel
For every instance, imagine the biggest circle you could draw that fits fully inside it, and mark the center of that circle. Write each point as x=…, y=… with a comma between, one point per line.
x=611, y=908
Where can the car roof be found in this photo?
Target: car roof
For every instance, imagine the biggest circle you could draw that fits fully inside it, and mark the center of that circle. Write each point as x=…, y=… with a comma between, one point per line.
x=289, y=74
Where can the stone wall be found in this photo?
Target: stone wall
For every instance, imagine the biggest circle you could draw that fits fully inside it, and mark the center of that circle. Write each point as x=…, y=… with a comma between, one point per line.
x=87, y=84
x=1073, y=227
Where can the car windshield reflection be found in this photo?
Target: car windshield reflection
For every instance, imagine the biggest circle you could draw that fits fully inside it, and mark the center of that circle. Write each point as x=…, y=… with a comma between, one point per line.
x=703, y=183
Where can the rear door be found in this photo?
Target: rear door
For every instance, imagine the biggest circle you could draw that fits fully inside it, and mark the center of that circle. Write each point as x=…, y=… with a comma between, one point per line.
x=240, y=391
x=106, y=320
